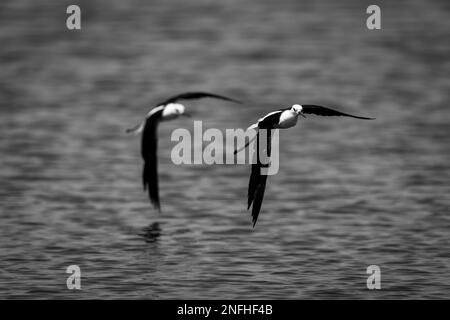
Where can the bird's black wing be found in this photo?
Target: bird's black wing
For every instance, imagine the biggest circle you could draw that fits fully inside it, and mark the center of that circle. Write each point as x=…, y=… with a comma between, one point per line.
x=149, y=151
x=271, y=120
x=257, y=182
x=197, y=95
x=255, y=177
x=323, y=111
x=258, y=195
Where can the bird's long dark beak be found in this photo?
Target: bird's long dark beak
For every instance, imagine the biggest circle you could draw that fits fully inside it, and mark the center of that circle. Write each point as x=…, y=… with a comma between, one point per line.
x=187, y=115
x=302, y=115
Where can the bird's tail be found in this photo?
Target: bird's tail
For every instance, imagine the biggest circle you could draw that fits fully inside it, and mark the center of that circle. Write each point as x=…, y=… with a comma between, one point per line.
x=136, y=129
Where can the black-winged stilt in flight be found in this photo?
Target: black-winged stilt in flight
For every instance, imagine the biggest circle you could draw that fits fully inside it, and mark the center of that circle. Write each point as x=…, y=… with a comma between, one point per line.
x=166, y=110
x=280, y=119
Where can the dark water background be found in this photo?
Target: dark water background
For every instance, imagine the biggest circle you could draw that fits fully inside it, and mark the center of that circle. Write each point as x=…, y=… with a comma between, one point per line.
x=349, y=193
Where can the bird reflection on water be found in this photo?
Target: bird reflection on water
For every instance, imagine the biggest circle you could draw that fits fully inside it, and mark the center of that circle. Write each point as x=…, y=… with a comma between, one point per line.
x=151, y=233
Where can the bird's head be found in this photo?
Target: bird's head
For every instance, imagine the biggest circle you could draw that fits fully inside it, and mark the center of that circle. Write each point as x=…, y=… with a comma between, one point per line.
x=182, y=111
x=298, y=109
x=178, y=108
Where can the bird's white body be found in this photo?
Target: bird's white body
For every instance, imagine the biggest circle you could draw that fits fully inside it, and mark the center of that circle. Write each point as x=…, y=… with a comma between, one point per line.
x=288, y=119
x=172, y=111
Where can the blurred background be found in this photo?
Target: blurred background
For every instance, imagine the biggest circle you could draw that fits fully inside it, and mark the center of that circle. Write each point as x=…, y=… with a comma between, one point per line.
x=349, y=193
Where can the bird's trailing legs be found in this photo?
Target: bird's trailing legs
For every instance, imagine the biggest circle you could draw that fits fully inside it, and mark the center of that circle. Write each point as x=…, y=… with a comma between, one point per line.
x=252, y=127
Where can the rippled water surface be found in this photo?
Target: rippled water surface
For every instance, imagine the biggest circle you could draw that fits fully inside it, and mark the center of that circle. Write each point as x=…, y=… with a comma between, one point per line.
x=349, y=193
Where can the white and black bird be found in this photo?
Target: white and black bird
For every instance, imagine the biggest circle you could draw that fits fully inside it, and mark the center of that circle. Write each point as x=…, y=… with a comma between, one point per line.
x=166, y=110
x=280, y=119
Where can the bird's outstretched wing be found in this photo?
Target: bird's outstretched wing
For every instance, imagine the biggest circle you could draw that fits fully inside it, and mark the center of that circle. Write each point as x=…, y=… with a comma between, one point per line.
x=255, y=177
x=256, y=188
x=197, y=95
x=149, y=151
x=323, y=111
x=257, y=182
x=186, y=96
